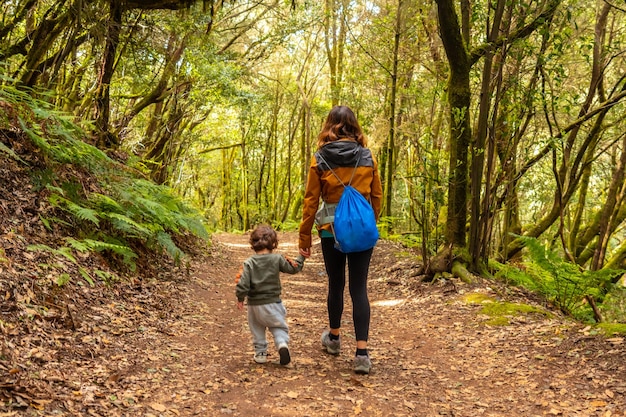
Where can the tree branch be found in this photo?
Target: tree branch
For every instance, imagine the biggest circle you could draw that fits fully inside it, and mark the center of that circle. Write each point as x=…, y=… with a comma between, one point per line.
x=218, y=148
x=157, y=5
x=520, y=33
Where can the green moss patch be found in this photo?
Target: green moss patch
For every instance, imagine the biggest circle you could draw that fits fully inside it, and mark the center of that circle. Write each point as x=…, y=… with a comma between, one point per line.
x=498, y=321
x=500, y=312
x=612, y=329
x=508, y=309
x=478, y=298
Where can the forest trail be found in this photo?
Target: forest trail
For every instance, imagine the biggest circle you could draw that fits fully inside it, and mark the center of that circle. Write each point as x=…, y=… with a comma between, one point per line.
x=178, y=346
x=432, y=353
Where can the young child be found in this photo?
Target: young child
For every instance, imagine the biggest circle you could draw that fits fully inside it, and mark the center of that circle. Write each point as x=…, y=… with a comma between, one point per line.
x=259, y=281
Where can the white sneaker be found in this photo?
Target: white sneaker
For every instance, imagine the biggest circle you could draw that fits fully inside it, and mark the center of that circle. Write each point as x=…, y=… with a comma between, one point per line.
x=260, y=357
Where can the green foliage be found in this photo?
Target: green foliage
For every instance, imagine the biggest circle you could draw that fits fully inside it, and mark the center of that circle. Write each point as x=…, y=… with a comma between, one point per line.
x=65, y=252
x=63, y=279
x=613, y=307
x=81, y=213
x=613, y=329
x=98, y=246
x=514, y=276
x=563, y=283
x=498, y=311
x=107, y=277
x=8, y=151
x=410, y=240
x=126, y=210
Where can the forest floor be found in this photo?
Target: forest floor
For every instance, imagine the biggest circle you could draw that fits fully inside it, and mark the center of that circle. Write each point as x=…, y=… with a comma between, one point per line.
x=178, y=346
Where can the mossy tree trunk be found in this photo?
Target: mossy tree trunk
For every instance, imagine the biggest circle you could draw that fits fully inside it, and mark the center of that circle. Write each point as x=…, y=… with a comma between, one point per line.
x=102, y=100
x=390, y=148
x=459, y=95
x=460, y=61
x=335, y=28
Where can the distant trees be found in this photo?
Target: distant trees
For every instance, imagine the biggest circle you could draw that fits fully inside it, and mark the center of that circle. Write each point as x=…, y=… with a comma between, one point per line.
x=490, y=119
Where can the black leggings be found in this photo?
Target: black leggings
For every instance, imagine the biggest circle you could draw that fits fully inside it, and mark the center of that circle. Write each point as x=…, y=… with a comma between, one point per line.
x=358, y=267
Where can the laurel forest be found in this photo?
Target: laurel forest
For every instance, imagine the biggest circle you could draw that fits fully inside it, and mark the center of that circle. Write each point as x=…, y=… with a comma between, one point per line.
x=498, y=126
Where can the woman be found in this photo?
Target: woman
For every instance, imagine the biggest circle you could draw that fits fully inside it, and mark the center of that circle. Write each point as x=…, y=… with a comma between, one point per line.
x=341, y=148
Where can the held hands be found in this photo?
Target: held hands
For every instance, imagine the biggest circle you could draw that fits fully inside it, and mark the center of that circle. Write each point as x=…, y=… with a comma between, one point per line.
x=306, y=252
x=291, y=262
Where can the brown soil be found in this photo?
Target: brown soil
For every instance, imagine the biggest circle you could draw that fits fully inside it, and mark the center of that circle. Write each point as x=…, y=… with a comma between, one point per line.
x=179, y=347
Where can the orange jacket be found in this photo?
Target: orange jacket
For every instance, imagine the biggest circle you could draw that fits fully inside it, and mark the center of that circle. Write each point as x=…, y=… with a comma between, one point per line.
x=342, y=156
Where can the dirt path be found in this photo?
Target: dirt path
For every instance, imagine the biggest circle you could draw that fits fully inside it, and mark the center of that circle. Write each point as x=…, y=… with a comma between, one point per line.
x=432, y=354
x=179, y=347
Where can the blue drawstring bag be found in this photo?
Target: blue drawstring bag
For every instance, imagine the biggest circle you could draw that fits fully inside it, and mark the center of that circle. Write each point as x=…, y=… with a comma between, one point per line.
x=355, y=223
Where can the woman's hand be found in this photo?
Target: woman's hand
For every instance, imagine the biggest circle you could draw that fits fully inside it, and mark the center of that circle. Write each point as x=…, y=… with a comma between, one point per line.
x=306, y=252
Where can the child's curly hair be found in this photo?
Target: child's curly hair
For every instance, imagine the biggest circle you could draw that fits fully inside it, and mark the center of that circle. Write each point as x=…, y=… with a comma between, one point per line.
x=263, y=237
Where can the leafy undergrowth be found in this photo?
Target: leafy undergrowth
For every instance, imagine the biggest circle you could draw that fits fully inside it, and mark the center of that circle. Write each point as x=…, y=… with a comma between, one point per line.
x=74, y=280
x=60, y=307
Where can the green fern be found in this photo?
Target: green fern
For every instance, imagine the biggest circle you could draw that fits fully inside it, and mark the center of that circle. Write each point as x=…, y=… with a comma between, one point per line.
x=127, y=254
x=128, y=210
x=78, y=245
x=37, y=139
x=514, y=276
x=105, y=203
x=8, y=151
x=566, y=283
x=63, y=251
x=80, y=212
x=83, y=272
x=63, y=279
x=128, y=226
x=165, y=240
x=124, y=251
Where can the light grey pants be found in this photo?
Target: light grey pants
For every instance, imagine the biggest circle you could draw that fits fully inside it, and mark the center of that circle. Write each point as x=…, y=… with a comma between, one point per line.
x=271, y=317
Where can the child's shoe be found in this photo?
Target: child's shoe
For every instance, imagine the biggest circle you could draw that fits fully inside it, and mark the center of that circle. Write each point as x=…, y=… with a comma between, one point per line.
x=260, y=357
x=331, y=346
x=362, y=364
x=283, y=352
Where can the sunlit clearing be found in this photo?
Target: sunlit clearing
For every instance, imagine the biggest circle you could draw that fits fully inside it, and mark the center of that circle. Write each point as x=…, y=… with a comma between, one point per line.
x=237, y=245
x=388, y=303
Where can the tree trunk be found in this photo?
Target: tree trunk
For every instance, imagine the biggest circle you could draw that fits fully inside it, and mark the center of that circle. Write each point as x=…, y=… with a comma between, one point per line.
x=609, y=211
x=160, y=91
x=102, y=100
x=460, y=132
x=334, y=42
x=480, y=218
x=459, y=95
x=391, y=146
x=42, y=40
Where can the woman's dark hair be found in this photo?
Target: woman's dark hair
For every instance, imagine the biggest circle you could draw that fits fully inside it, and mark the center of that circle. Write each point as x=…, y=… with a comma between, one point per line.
x=263, y=237
x=341, y=123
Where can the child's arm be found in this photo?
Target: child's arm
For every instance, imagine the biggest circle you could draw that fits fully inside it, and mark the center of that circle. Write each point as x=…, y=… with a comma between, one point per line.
x=242, y=288
x=292, y=266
